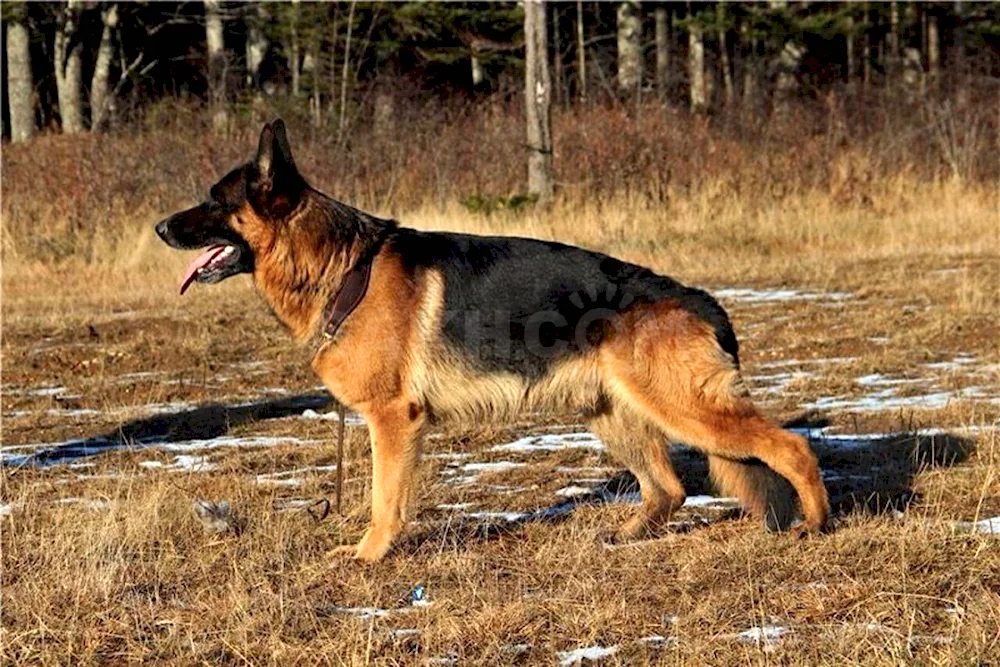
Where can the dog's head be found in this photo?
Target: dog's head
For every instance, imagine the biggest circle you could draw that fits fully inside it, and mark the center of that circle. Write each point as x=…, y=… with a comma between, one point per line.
x=242, y=215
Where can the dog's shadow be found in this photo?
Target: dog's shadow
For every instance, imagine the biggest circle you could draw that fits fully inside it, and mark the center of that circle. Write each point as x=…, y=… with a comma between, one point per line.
x=869, y=473
x=201, y=423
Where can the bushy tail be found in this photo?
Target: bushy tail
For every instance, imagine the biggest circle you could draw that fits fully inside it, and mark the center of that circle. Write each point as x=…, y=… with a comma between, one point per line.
x=763, y=492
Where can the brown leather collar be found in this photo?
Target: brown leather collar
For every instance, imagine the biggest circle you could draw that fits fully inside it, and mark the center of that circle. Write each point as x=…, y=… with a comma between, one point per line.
x=348, y=297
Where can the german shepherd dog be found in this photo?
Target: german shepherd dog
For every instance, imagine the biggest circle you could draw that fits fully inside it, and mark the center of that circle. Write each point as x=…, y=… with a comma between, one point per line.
x=413, y=328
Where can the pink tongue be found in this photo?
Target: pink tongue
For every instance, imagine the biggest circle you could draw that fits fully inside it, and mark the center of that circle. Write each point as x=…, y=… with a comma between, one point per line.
x=200, y=261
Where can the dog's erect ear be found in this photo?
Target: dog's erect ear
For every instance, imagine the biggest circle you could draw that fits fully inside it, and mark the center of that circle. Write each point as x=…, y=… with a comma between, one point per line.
x=265, y=151
x=274, y=154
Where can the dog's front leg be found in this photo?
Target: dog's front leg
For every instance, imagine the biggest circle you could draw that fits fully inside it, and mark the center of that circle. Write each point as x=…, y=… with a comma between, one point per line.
x=396, y=429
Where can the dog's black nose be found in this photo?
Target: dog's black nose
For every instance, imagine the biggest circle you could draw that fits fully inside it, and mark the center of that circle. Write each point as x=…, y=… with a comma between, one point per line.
x=161, y=230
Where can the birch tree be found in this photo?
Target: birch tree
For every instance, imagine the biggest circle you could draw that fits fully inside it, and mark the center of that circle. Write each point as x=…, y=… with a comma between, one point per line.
x=99, y=83
x=295, y=50
x=722, y=23
x=20, y=84
x=629, y=47
x=581, y=53
x=255, y=18
x=662, y=20
x=933, y=50
x=696, y=67
x=538, y=102
x=217, y=65
x=67, y=55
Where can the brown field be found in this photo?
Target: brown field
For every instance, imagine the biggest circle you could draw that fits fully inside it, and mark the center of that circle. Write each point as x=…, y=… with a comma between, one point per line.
x=871, y=289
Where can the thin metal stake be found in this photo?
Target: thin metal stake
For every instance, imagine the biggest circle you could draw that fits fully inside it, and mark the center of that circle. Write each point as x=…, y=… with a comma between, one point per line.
x=340, y=457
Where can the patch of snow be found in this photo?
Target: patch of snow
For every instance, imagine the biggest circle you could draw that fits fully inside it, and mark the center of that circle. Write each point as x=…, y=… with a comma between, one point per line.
x=989, y=526
x=291, y=482
x=495, y=466
x=10, y=459
x=183, y=462
x=749, y=295
x=367, y=612
x=767, y=634
x=879, y=380
x=886, y=399
x=587, y=653
x=44, y=391
x=492, y=516
x=7, y=508
x=959, y=363
x=80, y=412
x=571, y=491
x=456, y=507
x=448, y=456
x=166, y=408
x=711, y=502
x=231, y=441
x=779, y=382
x=351, y=419
x=551, y=442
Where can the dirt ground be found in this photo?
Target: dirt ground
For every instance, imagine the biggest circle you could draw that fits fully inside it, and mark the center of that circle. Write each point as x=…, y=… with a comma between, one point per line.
x=125, y=408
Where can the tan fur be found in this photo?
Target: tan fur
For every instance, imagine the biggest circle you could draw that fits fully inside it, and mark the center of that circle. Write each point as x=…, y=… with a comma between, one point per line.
x=453, y=389
x=640, y=446
x=301, y=255
x=763, y=492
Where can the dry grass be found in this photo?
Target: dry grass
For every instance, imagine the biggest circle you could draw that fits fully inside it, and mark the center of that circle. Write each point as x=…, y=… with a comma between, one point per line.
x=128, y=574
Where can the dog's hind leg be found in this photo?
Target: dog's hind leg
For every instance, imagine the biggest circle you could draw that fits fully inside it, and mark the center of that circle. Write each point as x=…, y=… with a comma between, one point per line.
x=670, y=368
x=395, y=429
x=641, y=447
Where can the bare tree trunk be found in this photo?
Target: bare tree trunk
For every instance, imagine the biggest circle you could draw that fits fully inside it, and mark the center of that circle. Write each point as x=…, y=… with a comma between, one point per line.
x=749, y=68
x=913, y=73
x=295, y=55
x=99, y=102
x=788, y=64
x=933, y=50
x=851, y=57
x=346, y=73
x=629, y=47
x=334, y=38
x=866, y=53
x=477, y=70
x=69, y=69
x=961, y=57
x=581, y=53
x=255, y=18
x=20, y=84
x=696, y=68
x=316, y=100
x=893, y=60
x=538, y=102
x=662, y=51
x=217, y=65
x=727, y=72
